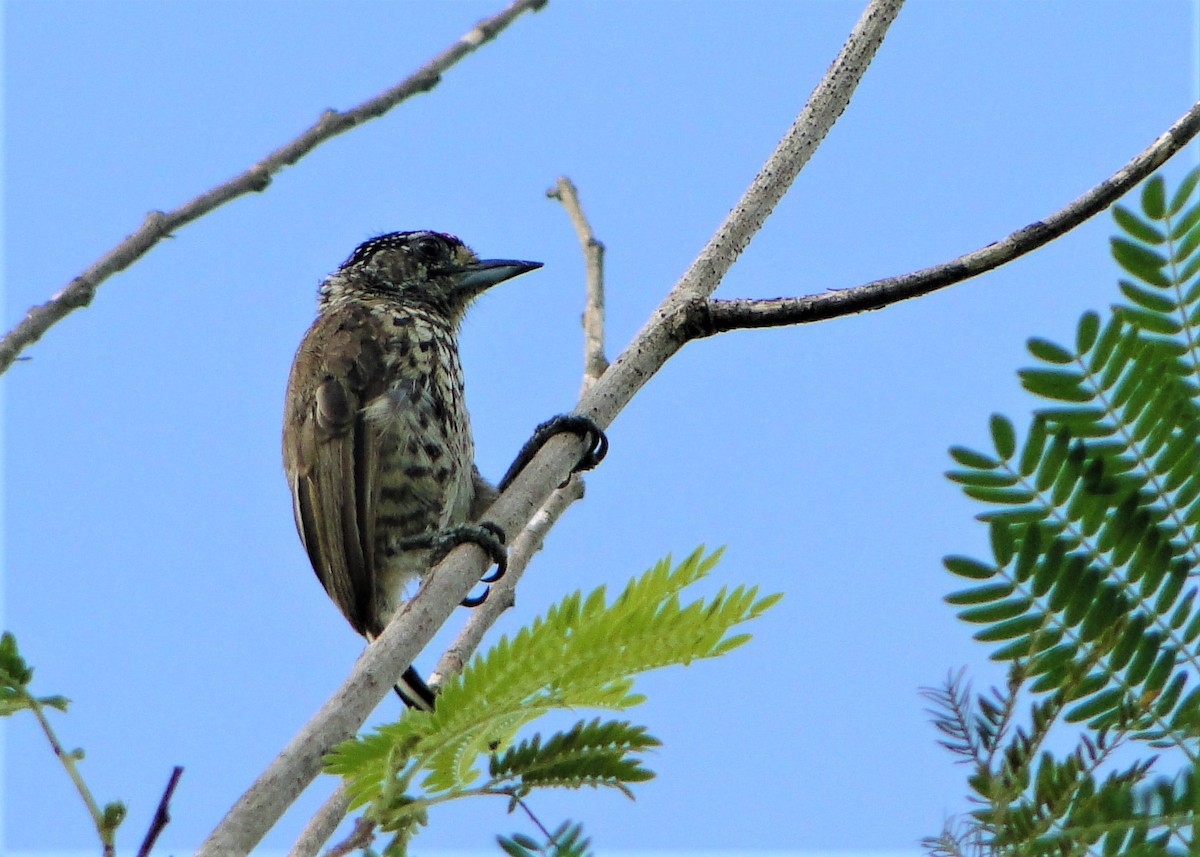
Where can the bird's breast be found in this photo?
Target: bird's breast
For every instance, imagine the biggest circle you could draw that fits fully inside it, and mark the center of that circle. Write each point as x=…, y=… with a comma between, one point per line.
x=426, y=450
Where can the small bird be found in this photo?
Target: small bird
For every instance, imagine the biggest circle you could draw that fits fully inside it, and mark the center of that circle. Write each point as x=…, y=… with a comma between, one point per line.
x=377, y=444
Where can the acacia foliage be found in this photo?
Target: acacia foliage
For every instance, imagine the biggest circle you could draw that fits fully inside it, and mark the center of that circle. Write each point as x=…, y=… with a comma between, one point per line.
x=583, y=653
x=1090, y=590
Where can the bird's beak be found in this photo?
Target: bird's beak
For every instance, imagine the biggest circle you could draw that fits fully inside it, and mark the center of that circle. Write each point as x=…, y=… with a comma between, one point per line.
x=486, y=273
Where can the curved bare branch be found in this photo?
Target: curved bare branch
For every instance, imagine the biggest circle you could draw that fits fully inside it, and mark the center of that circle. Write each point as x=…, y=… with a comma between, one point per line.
x=158, y=224
x=718, y=316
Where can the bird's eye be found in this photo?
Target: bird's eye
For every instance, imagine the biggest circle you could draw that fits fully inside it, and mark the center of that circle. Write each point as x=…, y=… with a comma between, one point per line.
x=429, y=249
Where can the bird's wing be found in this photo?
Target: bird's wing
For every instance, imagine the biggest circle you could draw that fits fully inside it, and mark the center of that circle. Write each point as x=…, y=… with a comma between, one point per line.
x=331, y=456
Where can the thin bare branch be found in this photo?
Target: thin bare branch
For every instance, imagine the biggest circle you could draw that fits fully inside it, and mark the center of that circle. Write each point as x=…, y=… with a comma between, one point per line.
x=502, y=596
x=158, y=224
x=162, y=814
x=718, y=316
x=360, y=837
x=370, y=679
x=823, y=108
x=104, y=829
x=418, y=620
x=322, y=825
x=594, y=361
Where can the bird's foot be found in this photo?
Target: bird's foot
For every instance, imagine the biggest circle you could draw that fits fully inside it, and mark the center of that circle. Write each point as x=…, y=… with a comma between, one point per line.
x=593, y=436
x=487, y=536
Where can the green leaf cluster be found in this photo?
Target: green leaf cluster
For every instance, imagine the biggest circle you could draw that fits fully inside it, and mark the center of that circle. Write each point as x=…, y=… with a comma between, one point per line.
x=583, y=653
x=15, y=676
x=1090, y=591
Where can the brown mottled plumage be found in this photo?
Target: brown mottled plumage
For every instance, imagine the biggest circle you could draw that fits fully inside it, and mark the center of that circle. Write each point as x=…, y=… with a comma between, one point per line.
x=377, y=443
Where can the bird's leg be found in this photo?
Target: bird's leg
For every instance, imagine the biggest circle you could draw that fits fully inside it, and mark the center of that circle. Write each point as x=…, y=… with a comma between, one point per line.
x=592, y=434
x=488, y=536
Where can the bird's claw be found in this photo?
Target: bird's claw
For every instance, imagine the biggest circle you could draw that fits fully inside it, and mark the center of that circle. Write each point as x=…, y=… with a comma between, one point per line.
x=594, y=437
x=489, y=537
x=500, y=557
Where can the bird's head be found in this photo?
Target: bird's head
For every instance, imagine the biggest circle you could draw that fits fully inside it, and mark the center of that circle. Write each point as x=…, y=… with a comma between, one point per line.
x=425, y=268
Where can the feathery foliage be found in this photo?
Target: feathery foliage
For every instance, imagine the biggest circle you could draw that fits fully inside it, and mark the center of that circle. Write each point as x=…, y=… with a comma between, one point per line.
x=1090, y=592
x=582, y=654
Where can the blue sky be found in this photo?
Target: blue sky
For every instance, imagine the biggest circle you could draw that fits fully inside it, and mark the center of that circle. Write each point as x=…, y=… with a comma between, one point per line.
x=151, y=569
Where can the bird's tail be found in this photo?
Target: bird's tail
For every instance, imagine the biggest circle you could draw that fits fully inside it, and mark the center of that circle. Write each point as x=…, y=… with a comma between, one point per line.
x=414, y=691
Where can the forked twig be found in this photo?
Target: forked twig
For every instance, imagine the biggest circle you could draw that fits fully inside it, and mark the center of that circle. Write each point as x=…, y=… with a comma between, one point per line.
x=529, y=541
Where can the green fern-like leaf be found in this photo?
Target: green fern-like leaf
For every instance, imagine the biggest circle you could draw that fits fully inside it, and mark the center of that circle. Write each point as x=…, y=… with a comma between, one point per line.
x=1100, y=493
x=1090, y=593
x=593, y=754
x=583, y=653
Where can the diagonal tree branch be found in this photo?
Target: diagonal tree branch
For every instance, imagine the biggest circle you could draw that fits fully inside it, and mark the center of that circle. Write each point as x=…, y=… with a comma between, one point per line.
x=158, y=224
x=501, y=596
x=718, y=316
x=415, y=624
x=673, y=323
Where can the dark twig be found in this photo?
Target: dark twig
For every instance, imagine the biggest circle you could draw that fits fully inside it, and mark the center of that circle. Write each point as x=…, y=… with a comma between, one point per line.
x=162, y=815
x=718, y=316
x=515, y=798
x=158, y=224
